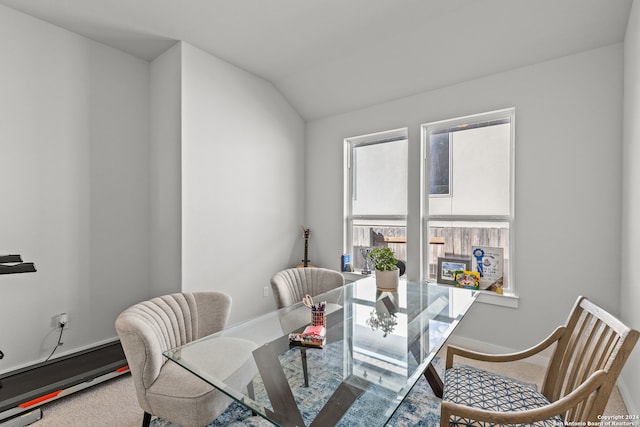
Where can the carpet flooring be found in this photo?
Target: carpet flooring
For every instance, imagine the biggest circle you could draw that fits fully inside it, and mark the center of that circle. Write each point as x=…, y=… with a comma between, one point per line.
x=114, y=404
x=420, y=409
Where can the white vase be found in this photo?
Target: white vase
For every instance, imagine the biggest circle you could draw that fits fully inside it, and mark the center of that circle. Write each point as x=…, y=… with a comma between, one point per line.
x=387, y=280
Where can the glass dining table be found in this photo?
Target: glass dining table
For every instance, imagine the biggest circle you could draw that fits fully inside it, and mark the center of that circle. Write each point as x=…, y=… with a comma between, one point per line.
x=378, y=344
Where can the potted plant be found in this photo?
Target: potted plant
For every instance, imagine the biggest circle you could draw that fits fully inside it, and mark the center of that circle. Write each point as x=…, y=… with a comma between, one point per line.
x=386, y=265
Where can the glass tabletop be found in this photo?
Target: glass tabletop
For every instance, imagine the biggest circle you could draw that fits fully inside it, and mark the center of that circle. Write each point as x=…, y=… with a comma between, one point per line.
x=378, y=343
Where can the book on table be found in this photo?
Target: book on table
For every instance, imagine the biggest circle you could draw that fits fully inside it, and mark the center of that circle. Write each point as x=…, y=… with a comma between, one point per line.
x=311, y=336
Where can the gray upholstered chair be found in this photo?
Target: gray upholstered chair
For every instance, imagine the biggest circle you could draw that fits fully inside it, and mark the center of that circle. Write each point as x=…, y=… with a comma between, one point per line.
x=163, y=388
x=291, y=285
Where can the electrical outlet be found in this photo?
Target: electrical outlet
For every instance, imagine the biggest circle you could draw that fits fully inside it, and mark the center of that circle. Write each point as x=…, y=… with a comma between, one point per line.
x=265, y=291
x=62, y=319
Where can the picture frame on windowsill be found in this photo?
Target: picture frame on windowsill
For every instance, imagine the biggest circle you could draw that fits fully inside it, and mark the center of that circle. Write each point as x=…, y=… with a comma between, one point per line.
x=448, y=265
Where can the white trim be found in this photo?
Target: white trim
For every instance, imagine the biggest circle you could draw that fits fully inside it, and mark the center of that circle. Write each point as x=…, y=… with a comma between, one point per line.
x=352, y=276
x=627, y=399
x=461, y=120
x=425, y=217
x=393, y=135
x=504, y=300
x=376, y=136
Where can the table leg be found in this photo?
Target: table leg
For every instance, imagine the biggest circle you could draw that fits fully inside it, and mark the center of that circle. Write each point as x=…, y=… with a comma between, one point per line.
x=340, y=402
x=252, y=395
x=434, y=380
x=285, y=409
x=431, y=375
x=305, y=372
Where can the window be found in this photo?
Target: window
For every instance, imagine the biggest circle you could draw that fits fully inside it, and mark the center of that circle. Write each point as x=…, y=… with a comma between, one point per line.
x=375, y=194
x=468, y=201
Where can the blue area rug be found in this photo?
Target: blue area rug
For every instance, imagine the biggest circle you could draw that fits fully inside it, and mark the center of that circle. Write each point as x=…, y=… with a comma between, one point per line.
x=420, y=408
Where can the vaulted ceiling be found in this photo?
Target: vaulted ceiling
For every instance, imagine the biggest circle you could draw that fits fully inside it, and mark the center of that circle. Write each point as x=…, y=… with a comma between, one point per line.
x=333, y=56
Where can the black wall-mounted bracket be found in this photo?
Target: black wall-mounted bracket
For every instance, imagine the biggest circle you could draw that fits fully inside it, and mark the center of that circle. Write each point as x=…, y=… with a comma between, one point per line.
x=11, y=264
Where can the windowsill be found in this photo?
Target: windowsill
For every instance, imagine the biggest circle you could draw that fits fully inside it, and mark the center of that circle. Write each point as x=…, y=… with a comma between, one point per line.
x=504, y=300
x=486, y=297
x=352, y=276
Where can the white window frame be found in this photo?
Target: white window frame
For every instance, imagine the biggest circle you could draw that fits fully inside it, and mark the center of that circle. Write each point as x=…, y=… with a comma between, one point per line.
x=509, y=298
x=349, y=217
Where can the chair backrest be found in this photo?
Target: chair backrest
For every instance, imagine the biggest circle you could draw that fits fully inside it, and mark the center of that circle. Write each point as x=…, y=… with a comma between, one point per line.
x=594, y=343
x=149, y=328
x=290, y=286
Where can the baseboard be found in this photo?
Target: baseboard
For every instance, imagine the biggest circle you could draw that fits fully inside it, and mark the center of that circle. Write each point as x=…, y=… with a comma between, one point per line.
x=541, y=359
x=627, y=399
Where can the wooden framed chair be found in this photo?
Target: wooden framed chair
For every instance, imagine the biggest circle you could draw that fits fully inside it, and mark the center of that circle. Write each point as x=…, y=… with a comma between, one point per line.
x=590, y=351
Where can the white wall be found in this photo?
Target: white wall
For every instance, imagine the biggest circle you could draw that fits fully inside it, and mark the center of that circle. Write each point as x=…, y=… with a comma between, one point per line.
x=103, y=214
x=74, y=168
x=242, y=186
x=124, y=180
x=630, y=292
x=568, y=153
x=165, y=168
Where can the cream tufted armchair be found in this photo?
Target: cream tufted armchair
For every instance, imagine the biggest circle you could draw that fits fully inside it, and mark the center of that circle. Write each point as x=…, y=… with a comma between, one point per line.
x=290, y=286
x=163, y=388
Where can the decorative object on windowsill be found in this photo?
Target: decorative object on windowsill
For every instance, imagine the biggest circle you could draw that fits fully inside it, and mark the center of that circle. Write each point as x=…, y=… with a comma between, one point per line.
x=386, y=265
x=402, y=267
x=467, y=279
x=497, y=287
x=488, y=262
x=305, y=262
x=345, y=261
x=448, y=265
x=366, y=270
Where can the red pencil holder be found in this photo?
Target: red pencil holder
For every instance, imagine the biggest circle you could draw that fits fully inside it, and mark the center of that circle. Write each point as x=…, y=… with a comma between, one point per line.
x=318, y=318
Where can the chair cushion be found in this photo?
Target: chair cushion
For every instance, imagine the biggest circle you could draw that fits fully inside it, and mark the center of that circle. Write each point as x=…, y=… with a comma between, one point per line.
x=485, y=390
x=184, y=398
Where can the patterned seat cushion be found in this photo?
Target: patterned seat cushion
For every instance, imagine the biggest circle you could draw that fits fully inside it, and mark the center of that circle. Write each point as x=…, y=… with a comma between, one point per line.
x=485, y=390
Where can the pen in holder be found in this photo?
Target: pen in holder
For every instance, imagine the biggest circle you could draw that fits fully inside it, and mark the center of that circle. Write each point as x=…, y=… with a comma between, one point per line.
x=317, y=311
x=318, y=318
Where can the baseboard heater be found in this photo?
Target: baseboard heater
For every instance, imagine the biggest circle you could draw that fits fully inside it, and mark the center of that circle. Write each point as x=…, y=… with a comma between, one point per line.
x=24, y=390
